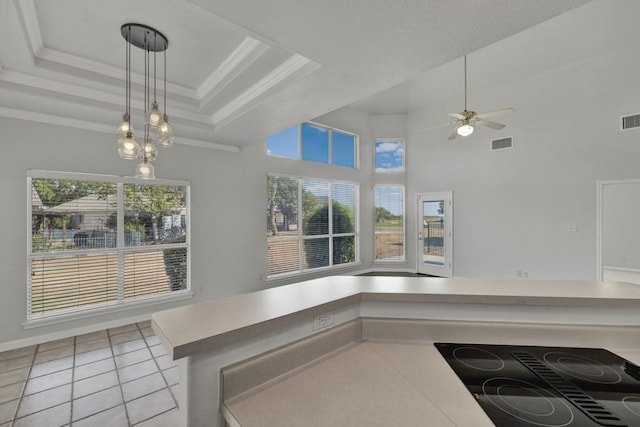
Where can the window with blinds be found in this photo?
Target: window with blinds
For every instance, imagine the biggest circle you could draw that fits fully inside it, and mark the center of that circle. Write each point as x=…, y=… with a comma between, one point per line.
x=311, y=224
x=389, y=228
x=99, y=241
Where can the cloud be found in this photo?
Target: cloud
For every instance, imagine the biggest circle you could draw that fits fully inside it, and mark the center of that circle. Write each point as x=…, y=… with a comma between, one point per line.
x=388, y=147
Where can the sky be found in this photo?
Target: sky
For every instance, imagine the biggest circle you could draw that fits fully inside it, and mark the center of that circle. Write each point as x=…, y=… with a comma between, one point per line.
x=389, y=156
x=315, y=145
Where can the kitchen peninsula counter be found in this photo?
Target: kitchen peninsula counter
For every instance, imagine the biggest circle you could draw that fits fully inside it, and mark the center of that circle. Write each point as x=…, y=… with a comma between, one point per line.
x=209, y=336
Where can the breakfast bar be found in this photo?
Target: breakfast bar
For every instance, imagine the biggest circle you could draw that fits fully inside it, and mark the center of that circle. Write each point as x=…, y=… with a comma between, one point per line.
x=344, y=347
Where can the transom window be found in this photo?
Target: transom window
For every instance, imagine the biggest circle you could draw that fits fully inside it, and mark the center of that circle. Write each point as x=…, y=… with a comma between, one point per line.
x=311, y=224
x=389, y=155
x=101, y=241
x=315, y=143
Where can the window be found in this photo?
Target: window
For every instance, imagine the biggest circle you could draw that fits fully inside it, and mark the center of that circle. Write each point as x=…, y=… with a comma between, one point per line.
x=389, y=155
x=284, y=144
x=389, y=228
x=311, y=224
x=100, y=241
x=314, y=143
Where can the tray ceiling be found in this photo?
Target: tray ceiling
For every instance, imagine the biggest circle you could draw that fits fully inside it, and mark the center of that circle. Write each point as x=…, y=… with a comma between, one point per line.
x=237, y=71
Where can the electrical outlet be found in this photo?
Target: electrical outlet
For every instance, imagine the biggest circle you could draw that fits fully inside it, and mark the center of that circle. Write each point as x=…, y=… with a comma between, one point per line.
x=324, y=320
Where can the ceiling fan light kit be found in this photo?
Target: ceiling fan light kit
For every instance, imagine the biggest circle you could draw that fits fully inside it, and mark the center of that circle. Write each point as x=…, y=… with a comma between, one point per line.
x=465, y=130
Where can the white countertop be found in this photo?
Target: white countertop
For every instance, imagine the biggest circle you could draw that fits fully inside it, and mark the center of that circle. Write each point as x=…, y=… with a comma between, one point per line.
x=215, y=323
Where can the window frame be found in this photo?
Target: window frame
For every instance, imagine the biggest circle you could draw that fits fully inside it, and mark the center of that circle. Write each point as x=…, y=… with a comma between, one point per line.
x=300, y=237
x=121, y=248
x=330, y=130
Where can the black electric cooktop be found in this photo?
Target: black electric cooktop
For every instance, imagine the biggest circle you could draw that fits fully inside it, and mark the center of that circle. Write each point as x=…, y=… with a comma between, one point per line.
x=548, y=386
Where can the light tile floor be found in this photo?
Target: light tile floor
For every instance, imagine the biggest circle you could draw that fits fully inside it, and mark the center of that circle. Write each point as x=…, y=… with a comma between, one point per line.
x=116, y=377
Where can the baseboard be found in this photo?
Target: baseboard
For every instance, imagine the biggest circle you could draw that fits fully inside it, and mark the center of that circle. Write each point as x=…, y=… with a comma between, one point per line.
x=39, y=339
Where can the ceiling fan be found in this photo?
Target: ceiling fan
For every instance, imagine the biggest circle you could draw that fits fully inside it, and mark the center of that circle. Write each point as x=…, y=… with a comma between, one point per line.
x=467, y=119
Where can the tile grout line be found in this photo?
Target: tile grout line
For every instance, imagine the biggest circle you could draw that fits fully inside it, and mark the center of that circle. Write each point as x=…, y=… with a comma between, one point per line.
x=166, y=383
x=73, y=379
x=24, y=386
x=124, y=404
x=160, y=370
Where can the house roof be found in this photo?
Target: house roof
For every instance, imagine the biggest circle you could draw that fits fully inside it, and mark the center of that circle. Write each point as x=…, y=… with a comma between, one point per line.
x=85, y=204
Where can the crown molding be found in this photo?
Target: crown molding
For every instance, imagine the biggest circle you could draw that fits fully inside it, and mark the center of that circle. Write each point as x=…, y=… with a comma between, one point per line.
x=244, y=55
x=14, y=113
x=254, y=94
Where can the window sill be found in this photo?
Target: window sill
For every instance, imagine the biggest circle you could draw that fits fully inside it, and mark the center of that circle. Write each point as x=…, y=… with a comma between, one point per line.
x=284, y=279
x=68, y=317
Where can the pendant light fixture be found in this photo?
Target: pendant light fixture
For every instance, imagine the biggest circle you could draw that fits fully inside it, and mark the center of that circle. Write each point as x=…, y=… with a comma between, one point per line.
x=151, y=41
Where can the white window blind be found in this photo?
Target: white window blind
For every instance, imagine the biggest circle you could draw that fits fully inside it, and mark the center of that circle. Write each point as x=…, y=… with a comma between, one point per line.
x=389, y=228
x=320, y=234
x=100, y=241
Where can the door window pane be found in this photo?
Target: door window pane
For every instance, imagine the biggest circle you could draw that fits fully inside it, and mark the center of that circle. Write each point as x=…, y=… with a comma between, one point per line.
x=433, y=232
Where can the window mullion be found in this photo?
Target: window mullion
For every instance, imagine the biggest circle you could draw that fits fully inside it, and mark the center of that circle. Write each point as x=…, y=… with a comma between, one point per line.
x=120, y=239
x=300, y=226
x=330, y=220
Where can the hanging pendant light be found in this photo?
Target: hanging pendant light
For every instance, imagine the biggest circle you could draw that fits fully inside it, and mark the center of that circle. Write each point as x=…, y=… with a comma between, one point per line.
x=150, y=41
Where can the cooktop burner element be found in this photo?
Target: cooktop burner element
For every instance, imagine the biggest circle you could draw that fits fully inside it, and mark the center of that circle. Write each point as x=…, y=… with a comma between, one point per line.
x=548, y=386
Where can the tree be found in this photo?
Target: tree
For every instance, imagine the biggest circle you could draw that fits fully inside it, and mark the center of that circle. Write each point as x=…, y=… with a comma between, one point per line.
x=316, y=223
x=382, y=214
x=272, y=190
x=287, y=200
x=154, y=201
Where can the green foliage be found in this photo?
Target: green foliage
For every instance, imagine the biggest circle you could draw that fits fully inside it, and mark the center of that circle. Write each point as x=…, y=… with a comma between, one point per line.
x=131, y=223
x=382, y=214
x=343, y=220
x=175, y=264
x=282, y=193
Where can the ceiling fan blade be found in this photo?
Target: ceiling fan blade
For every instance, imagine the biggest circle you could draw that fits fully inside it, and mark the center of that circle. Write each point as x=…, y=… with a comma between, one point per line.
x=489, y=124
x=436, y=126
x=495, y=113
x=453, y=134
x=457, y=116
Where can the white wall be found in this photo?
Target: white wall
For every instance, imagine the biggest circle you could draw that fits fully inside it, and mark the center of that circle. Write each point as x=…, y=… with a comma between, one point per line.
x=228, y=213
x=512, y=207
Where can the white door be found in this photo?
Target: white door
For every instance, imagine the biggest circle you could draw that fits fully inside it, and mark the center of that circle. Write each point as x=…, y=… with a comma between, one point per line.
x=618, y=231
x=435, y=234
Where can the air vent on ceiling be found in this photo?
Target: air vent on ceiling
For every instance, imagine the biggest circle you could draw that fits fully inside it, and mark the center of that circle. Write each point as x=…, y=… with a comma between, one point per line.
x=630, y=122
x=498, y=144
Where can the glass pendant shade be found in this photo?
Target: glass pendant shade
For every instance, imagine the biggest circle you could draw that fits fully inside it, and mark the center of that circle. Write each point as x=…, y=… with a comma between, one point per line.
x=149, y=150
x=145, y=170
x=125, y=125
x=164, y=133
x=154, y=117
x=465, y=130
x=128, y=147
